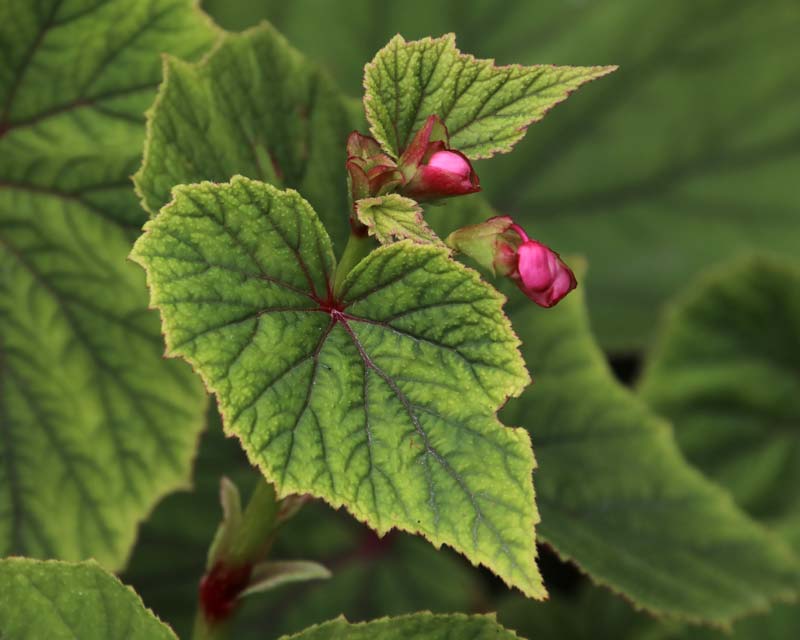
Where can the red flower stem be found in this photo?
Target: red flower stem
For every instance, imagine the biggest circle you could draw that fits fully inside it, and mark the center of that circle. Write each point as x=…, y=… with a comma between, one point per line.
x=520, y=231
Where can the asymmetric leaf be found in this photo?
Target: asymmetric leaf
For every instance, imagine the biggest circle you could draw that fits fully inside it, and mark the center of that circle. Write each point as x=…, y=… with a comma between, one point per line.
x=94, y=425
x=486, y=108
x=65, y=601
x=393, y=217
x=417, y=626
x=253, y=107
x=382, y=400
x=725, y=372
x=618, y=498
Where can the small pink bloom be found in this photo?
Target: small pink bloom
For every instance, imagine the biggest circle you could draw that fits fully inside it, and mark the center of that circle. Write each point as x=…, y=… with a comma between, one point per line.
x=541, y=274
x=451, y=162
x=446, y=173
x=502, y=246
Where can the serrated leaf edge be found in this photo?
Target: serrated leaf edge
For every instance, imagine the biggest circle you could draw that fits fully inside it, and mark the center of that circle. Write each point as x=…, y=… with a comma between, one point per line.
x=597, y=71
x=417, y=614
x=91, y=562
x=537, y=591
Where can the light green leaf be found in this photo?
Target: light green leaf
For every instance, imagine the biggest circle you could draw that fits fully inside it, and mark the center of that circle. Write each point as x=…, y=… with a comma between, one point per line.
x=94, y=425
x=618, y=498
x=383, y=400
x=65, y=601
x=419, y=626
x=393, y=217
x=486, y=108
x=253, y=107
x=725, y=372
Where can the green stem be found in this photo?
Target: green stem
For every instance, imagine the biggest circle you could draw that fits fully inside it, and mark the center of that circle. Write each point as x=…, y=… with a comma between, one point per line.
x=357, y=248
x=258, y=526
x=205, y=629
x=231, y=570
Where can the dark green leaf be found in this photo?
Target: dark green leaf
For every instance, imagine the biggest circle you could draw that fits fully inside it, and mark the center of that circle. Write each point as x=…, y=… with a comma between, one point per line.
x=253, y=107
x=94, y=425
x=618, y=498
x=725, y=372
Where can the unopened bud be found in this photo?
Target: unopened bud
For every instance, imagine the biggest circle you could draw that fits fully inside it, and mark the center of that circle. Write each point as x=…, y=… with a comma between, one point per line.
x=502, y=246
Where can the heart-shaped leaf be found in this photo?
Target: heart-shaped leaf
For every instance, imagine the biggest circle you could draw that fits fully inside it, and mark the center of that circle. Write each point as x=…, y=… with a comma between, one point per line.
x=381, y=398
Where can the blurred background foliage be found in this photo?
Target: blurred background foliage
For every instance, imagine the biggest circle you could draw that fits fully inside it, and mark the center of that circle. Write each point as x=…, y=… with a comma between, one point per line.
x=688, y=157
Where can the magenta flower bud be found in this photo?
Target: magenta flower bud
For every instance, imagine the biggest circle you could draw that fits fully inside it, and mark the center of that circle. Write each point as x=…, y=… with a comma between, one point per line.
x=541, y=274
x=503, y=247
x=446, y=173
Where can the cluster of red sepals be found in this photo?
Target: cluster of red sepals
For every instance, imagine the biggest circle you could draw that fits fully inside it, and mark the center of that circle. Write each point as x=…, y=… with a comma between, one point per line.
x=429, y=170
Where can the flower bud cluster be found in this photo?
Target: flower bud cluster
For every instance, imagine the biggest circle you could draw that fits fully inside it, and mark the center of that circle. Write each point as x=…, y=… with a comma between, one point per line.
x=427, y=170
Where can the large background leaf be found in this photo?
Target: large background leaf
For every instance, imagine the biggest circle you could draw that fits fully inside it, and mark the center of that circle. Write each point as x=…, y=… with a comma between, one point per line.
x=725, y=372
x=684, y=156
x=618, y=498
x=94, y=425
x=254, y=107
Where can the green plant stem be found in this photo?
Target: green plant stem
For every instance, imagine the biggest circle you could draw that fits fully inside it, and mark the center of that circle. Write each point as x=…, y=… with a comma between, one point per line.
x=252, y=543
x=357, y=248
x=207, y=630
x=259, y=523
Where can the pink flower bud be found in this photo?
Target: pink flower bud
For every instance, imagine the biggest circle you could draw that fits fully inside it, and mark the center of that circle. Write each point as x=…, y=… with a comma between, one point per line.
x=502, y=246
x=541, y=274
x=446, y=173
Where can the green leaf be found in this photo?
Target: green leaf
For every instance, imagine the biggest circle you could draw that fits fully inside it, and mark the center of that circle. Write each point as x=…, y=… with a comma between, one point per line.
x=422, y=626
x=618, y=498
x=64, y=601
x=383, y=400
x=725, y=373
x=588, y=612
x=486, y=108
x=393, y=217
x=253, y=107
x=94, y=425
